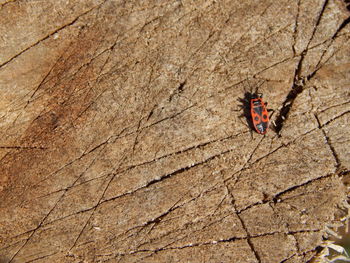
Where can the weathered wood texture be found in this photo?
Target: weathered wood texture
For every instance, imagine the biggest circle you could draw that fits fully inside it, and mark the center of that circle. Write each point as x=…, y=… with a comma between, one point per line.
x=121, y=137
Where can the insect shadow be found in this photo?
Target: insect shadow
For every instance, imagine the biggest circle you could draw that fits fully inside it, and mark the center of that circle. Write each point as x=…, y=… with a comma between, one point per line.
x=245, y=106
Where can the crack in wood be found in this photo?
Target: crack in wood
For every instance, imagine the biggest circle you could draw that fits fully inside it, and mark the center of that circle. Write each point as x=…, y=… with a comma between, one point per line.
x=6, y=3
x=185, y=226
x=72, y=22
x=177, y=91
x=23, y=147
x=214, y=242
x=42, y=257
x=232, y=201
x=329, y=143
x=42, y=222
x=295, y=33
x=100, y=200
x=277, y=197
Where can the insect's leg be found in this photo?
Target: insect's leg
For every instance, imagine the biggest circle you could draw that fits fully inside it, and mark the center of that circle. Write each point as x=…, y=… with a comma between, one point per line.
x=244, y=102
x=239, y=110
x=272, y=112
x=245, y=124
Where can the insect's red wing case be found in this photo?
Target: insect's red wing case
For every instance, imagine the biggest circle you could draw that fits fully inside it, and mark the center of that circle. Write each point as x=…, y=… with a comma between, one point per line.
x=259, y=115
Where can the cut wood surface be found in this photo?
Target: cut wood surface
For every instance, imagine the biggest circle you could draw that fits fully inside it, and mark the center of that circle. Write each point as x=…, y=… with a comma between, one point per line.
x=122, y=138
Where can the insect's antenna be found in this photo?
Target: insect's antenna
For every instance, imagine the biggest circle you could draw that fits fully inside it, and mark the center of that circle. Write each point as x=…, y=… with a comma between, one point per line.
x=242, y=82
x=257, y=88
x=250, y=87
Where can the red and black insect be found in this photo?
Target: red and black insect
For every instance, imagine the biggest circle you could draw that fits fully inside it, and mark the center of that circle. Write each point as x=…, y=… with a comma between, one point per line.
x=259, y=113
x=255, y=112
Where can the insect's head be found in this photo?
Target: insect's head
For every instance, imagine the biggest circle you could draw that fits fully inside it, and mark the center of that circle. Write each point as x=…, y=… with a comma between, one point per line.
x=257, y=96
x=250, y=96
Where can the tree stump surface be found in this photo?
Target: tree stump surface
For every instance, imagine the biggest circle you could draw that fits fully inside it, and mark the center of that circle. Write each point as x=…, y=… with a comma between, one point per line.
x=122, y=138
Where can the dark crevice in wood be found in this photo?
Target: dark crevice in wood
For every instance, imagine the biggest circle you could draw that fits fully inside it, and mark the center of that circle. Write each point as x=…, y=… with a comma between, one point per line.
x=335, y=155
x=288, y=103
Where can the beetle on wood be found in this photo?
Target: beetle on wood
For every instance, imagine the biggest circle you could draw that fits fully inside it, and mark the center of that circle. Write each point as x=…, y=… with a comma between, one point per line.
x=255, y=112
x=258, y=112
